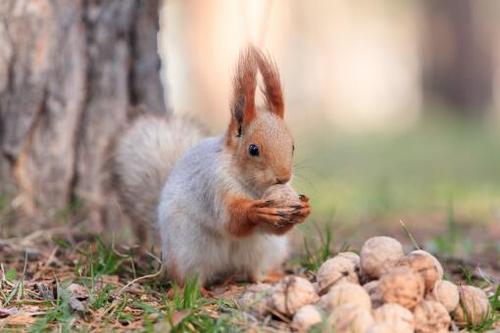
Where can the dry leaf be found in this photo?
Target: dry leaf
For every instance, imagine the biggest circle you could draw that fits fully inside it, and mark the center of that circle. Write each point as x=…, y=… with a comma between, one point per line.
x=76, y=305
x=178, y=316
x=78, y=291
x=5, y=312
x=18, y=320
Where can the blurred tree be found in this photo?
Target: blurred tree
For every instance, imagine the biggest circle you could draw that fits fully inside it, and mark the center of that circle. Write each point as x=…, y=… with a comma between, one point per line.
x=70, y=74
x=457, y=56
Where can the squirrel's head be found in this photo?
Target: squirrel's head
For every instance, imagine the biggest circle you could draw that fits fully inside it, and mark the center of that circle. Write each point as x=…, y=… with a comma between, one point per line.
x=259, y=142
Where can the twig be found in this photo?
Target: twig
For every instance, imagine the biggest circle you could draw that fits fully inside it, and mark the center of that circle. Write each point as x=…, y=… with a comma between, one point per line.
x=19, y=296
x=144, y=277
x=13, y=292
x=154, y=257
x=489, y=279
x=50, y=258
x=413, y=240
x=115, y=250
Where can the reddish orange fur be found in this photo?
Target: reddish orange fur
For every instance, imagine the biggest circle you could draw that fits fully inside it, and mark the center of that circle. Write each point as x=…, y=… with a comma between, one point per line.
x=239, y=224
x=272, y=86
x=244, y=83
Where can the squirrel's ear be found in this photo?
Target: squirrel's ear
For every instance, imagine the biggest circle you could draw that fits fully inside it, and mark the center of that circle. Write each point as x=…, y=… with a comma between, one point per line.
x=245, y=83
x=272, y=85
x=238, y=113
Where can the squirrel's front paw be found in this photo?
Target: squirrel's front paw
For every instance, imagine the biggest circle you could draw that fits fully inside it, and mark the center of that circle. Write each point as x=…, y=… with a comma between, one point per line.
x=263, y=212
x=280, y=217
x=301, y=211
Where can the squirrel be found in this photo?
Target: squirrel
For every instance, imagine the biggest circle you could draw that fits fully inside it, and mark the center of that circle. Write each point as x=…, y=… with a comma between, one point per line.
x=205, y=194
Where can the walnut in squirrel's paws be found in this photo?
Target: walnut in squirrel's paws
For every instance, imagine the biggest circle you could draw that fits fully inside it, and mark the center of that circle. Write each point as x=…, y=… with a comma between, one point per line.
x=293, y=208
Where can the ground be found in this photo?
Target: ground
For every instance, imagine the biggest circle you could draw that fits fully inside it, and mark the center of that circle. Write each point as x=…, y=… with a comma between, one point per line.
x=57, y=280
x=434, y=186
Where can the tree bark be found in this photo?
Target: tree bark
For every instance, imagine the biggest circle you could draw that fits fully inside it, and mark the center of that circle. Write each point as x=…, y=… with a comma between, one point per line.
x=70, y=72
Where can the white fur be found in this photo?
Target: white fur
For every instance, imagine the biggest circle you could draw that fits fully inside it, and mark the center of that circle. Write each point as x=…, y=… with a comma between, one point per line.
x=192, y=217
x=143, y=158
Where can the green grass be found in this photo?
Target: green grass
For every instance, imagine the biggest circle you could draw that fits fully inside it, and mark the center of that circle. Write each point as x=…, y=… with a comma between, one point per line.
x=101, y=298
x=319, y=245
x=99, y=259
x=60, y=314
x=454, y=241
x=188, y=304
x=373, y=174
x=315, y=254
x=185, y=310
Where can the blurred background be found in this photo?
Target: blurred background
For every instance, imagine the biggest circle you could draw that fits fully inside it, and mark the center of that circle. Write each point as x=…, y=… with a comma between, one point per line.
x=395, y=106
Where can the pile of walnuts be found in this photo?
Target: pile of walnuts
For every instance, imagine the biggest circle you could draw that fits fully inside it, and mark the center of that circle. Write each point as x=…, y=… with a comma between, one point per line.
x=381, y=290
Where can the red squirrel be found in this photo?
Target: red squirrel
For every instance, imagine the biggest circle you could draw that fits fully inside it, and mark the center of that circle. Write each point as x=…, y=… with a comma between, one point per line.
x=205, y=194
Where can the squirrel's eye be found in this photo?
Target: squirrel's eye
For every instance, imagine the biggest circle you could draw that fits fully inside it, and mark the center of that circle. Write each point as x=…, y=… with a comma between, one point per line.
x=253, y=150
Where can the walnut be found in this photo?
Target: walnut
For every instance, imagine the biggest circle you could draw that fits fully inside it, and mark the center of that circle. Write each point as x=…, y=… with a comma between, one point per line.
x=373, y=290
x=350, y=318
x=431, y=317
x=282, y=195
x=378, y=255
x=346, y=293
x=422, y=264
x=445, y=293
x=305, y=317
x=351, y=256
x=381, y=328
x=398, y=318
x=401, y=285
x=474, y=306
x=436, y=262
x=256, y=299
x=336, y=270
x=292, y=293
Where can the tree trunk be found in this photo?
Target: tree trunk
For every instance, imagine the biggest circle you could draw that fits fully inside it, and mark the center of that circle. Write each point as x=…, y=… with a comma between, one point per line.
x=458, y=67
x=70, y=72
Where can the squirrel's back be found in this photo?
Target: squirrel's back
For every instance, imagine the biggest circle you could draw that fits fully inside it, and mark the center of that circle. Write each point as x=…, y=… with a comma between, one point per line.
x=143, y=158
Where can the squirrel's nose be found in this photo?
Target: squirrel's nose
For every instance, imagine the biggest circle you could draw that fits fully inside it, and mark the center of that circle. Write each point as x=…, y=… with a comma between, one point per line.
x=282, y=180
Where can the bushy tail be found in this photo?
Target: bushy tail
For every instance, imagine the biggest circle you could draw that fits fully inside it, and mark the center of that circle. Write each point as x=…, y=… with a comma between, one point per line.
x=142, y=159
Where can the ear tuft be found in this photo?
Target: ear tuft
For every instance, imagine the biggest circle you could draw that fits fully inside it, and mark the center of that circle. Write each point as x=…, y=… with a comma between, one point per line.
x=272, y=85
x=245, y=83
